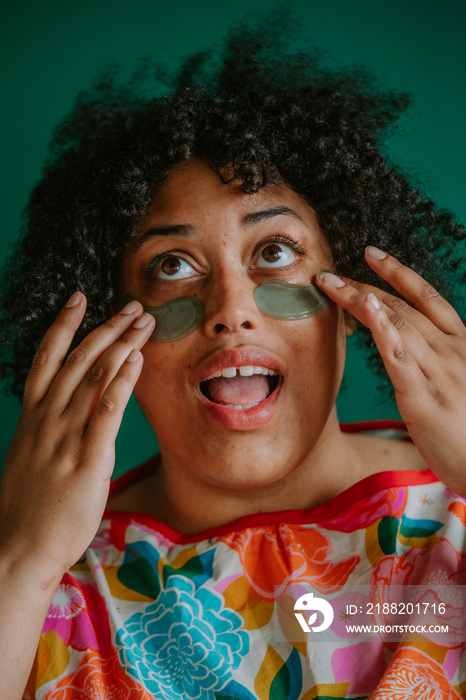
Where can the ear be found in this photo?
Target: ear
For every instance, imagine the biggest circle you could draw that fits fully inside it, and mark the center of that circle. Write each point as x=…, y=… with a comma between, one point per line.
x=350, y=323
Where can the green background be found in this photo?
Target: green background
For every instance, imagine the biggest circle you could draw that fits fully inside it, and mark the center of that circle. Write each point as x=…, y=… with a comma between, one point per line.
x=50, y=50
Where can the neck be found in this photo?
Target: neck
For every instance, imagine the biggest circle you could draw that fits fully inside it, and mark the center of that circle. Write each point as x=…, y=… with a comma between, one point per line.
x=190, y=505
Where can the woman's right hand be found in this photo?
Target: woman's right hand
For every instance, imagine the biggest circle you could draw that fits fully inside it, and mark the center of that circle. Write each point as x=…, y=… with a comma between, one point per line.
x=57, y=471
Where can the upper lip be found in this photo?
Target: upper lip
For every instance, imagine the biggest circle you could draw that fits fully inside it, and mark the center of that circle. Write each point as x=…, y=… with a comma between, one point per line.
x=237, y=357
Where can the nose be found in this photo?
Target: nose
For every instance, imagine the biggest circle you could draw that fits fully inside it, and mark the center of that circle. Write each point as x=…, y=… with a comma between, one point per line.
x=230, y=306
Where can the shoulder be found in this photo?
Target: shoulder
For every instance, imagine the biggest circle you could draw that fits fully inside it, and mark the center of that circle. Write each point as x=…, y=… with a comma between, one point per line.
x=380, y=454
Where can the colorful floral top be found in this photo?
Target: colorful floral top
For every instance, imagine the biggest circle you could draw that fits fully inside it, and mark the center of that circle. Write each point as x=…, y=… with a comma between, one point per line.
x=150, y=613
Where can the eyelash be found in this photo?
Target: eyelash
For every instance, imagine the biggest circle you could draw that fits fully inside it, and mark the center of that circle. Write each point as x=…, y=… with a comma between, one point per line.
x=152, y=264
x=285, y=240
x=278, y=238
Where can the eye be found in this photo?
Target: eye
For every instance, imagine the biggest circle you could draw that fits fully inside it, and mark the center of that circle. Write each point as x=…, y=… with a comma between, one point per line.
x=276, y=255
x=173, y=268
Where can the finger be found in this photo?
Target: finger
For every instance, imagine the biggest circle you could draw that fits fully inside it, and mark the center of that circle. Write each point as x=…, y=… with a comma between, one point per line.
x=416, y=290
x=51, y=352
x=91, y=389
x=103, y=428
x=420, y=337
x=403, y=370
x=123, y=327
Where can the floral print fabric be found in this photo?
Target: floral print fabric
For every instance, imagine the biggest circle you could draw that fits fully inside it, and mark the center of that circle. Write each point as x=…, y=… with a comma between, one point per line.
x=151, y=614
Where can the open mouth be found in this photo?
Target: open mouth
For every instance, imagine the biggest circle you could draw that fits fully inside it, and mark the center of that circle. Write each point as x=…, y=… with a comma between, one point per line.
x=241, y=388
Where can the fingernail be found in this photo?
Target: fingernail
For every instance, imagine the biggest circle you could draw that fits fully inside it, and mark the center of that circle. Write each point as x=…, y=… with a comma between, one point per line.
x=375, y=253
x=333, y=280
x=142, y=321
x=130, y=308
x=73, y=300
x=373, y=301
x=133, y=355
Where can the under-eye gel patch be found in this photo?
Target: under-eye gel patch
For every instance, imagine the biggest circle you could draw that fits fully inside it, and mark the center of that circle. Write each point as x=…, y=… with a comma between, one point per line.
x=289, y=301
x=277, y=298
x=176, y=319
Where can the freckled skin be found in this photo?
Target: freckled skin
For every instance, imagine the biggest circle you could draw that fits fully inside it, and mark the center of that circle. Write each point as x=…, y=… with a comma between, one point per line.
x=195, y=449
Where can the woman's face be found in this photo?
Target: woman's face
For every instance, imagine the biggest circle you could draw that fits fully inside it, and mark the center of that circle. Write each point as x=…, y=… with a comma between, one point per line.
x=208, y=240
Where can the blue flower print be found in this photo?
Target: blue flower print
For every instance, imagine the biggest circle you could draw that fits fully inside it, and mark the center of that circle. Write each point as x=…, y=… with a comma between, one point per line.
x=184, y=646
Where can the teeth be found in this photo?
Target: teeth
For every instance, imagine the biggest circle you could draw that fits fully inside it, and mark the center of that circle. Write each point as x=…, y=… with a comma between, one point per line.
x=229, y=372
x=245, y=371
x=245, y=408
x=240, y=407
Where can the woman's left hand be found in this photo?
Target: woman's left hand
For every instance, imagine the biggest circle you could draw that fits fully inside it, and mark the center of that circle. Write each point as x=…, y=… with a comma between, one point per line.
x=423, y=347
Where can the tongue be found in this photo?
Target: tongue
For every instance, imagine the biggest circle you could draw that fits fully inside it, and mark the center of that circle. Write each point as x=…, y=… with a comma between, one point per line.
x=239, y=390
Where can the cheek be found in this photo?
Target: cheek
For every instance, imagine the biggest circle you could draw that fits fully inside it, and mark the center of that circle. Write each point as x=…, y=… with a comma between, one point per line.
x=166, y=398
x=319, y=338
x=320, y=355
x=158, y=387
x=154, y=362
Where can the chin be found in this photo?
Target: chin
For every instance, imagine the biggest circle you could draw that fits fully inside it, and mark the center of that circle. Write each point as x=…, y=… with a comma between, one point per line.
x=246, y=464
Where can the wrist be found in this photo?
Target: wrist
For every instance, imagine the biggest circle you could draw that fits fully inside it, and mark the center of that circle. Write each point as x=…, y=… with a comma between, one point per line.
x=28, y=569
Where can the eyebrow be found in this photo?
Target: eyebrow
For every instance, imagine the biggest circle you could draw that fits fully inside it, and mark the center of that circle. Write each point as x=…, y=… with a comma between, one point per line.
x=184, y=230
x=260, y=217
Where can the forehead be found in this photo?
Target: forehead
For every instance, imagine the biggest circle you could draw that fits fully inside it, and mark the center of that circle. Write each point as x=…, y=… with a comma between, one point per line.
x=193, y=193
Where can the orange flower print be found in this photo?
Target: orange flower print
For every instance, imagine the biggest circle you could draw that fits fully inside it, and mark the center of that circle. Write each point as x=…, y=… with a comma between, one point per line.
x=98, y=678
x=412, y=674
x=275, y=556
x=434, y=577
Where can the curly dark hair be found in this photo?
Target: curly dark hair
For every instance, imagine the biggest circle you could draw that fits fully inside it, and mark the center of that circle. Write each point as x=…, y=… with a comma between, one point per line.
x=271, y=115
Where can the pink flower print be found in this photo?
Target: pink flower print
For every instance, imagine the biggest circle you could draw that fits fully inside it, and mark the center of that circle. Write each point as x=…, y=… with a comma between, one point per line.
x=67, y=602
x=103, y=546
x=387, y=502
x=78, y=616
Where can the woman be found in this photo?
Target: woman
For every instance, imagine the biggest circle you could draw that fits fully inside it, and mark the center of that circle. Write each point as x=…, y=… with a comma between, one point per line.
x=269, y=172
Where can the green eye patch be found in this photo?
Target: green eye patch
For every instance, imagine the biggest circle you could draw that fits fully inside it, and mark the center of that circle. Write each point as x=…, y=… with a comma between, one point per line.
x=176, y=319
x=289, y=301
x=277, y=298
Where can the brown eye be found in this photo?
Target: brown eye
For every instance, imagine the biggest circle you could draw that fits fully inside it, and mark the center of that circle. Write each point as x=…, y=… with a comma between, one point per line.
x=272, y=253
x=276, y=255
x=170, y=266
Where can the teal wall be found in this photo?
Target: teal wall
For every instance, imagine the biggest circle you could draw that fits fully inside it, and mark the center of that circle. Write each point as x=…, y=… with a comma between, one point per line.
x=51, y=49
